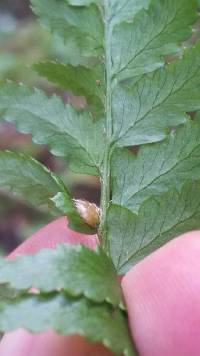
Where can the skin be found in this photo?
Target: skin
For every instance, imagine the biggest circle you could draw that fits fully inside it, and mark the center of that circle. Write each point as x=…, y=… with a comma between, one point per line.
x=162, y=294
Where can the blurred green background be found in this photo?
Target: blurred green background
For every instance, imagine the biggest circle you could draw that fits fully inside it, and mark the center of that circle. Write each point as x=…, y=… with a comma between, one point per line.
x=23, y=41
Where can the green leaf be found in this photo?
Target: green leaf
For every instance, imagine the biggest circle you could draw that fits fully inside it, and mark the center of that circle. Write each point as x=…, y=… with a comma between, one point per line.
x=80, y=27
x=28, y=178
x=143, y=98
x=80, y=80
x=144, y=102
x=132, y=237
x=146, y=111
x=139, y=46
x=76, y=270
x=69, y=134
x=68, y=316
x=157, y=168
x=138, y=110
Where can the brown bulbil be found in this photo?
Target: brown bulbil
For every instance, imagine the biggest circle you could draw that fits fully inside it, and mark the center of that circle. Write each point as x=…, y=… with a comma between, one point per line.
x=90, y=212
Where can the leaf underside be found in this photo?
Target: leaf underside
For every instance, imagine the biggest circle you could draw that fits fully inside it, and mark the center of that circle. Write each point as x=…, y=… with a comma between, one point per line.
x=81, y=81
x=69, y=134
x=157, y=168
x=77, y=292
x=135, y=95
x=159, y=220
x=28, y=178
x=68, y=316
x=140, y=83
x=76, y=270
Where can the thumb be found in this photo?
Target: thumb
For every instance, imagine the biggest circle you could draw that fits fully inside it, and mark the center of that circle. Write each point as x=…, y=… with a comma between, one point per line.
x=163, y=298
